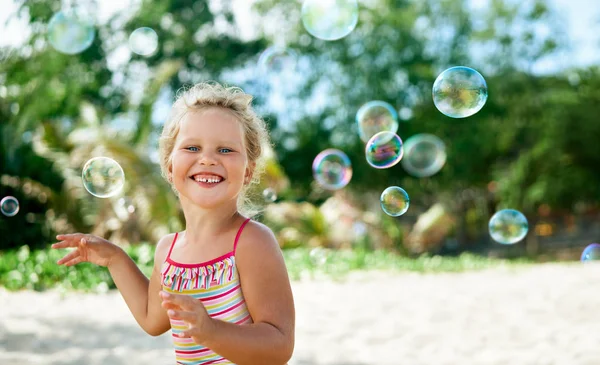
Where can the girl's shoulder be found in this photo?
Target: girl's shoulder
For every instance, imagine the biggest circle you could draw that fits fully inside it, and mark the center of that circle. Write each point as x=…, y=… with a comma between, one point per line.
x=256, y=239
x=255, y=231
x=162, y=247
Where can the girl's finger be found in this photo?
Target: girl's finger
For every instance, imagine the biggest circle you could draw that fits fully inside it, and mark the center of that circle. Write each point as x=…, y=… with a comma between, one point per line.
x=65, y=244
x=75, y=261
x=61, y=244
x=184, y=334
x=68, y=257
x=64, y=237
x=182, y=315
x=168, y=305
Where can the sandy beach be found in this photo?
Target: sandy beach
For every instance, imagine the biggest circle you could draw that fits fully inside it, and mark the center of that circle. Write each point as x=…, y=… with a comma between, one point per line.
x=543, y=315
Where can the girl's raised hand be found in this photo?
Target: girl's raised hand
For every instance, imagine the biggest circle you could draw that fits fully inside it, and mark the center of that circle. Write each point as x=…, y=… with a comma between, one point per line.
x=192, y=312
x=88, y=248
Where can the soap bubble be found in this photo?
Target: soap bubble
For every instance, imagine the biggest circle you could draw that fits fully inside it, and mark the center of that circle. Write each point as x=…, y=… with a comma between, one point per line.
x=459, y=92
x=424, y=155
x=374, y=117
x=508, y=226
x=269, y=195
x=329, y=19
x=394, y=201
x=277, y=59
x=9, y=205
x=332, y=169
x=103, y=177
x=591, y=253
x=384, y=150
x=71, y=31
x=143, y=41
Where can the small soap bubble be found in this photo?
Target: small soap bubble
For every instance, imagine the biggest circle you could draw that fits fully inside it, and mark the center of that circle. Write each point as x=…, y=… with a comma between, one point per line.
x=591, y=253
x=143, y=41
x=332, y=169
x=277, y=60
x=424, y=155
x=269, y=195
x=103, y=177
x=9, y=205
x=329, y=19
x=459, y=92
x=508, y=226
x=384, y=150
x=394, y=201
x=71, y=31
x=374, y=117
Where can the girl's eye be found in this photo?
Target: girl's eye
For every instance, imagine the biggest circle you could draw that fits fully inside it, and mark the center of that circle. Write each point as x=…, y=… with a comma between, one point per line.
x=225, y=150
x=193, y=149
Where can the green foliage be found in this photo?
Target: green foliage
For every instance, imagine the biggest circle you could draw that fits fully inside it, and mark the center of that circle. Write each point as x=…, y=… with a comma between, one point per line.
x=37, y=269
x=534, y=136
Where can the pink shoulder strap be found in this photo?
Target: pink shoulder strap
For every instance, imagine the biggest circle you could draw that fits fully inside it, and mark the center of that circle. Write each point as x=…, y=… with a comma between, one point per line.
x=172, y=244
x=237, y=237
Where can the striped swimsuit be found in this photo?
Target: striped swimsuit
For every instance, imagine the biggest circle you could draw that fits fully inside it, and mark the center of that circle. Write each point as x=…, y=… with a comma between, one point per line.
x=217, y=285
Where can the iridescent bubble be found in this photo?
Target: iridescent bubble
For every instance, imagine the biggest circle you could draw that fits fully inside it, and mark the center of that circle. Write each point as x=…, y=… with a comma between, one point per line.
x=277, y=59
x=508, y=226
x=394, y=201
x=384, y=150
x=143, y=41
x=9, y=205
x=591, y=253
x=269, y=195
x=329, y=19
x=459, y=92
x=374, y=117
x=332, y=169
x=71, y=31
x=424, y=155
x=103, y=177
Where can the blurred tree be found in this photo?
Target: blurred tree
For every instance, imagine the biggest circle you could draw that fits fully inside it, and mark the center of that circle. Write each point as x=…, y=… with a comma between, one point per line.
x=58, y=111
x=533, y=136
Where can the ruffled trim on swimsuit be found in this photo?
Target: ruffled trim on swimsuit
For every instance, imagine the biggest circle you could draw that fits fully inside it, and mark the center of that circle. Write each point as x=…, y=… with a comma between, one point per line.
x=199, y=277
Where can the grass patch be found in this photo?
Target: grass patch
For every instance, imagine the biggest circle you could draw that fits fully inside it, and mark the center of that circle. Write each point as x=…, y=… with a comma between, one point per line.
x=37, y=270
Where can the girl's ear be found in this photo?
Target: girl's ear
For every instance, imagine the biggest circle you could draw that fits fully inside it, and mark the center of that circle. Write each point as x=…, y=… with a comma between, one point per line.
x=249, y=172
x=170, y=173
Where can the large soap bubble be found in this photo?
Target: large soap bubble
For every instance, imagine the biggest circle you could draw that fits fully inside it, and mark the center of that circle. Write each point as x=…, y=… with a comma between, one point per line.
x=9, y=205
x=71, y=31
x=332, y=169
x=277, y=60
x=374, y=117
x=384, y=150
x=143, y=41
x=330, y=19
x=591, y=253
x=459, y=92
x=394, y=201
x=508, y=226
x=424, y=155
x=103, y=177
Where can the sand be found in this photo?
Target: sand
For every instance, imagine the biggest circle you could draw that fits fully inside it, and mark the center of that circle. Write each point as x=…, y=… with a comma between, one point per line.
x=545, y=314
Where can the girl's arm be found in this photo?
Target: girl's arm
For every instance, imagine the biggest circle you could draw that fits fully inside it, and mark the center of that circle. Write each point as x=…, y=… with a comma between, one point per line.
x=268, y=295
x=139, y=293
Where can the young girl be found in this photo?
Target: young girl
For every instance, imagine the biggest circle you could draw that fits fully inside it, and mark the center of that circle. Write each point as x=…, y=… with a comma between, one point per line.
x=221, y=286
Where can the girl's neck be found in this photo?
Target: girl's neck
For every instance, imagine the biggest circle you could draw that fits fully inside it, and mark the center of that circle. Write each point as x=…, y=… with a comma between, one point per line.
x=201, y=224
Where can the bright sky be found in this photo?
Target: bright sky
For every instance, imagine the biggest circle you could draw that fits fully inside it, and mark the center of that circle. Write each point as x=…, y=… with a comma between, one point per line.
x=583, y=17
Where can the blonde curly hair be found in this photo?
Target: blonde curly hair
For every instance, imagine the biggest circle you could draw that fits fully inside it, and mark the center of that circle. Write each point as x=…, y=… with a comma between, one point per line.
x=208, y=95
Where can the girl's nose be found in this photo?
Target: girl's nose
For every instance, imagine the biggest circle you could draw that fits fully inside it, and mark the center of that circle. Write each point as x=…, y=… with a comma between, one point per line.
x=207, y=159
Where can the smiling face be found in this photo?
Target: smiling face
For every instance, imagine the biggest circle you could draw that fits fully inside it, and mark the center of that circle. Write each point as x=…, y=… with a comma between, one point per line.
x=209, y=160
